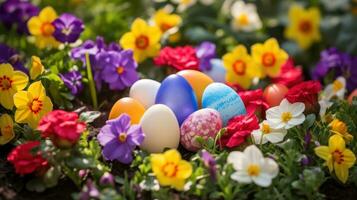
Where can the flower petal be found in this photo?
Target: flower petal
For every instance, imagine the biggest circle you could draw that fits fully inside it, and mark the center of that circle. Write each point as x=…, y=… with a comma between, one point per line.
x=253, y=154
x=184, y=170
x=173, y=156
x=241, y=176
x=322, y=152
x=341, y=172
x=238, y=160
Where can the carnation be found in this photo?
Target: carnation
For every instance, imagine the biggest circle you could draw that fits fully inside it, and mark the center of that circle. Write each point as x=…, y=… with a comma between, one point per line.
x=238, y=129
x=63, y=128
x=254, y=102
x=180, y=58
x=289, y=75
x=26, y=160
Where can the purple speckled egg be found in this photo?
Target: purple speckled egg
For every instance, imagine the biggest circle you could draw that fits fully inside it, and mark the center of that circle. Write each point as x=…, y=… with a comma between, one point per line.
x=204, y=123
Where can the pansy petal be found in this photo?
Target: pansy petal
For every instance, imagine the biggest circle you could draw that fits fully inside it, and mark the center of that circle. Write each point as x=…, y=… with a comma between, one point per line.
x=275, y=137
x=241, y=177
x=297, y=109
x=263, y=180
x=253, y=154
x=237, y=158
x=105, y=135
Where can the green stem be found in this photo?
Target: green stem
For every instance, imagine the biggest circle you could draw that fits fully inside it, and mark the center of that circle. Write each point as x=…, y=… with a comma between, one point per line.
x=91, y=83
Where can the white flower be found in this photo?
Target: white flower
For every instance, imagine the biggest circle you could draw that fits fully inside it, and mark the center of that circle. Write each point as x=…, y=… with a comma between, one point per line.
x=324, y=104
x=337, y=88
x=184, y=4
x=251, y=166
x=245, y=17
x=336, y=4
x=286, y=115
x=266, y=133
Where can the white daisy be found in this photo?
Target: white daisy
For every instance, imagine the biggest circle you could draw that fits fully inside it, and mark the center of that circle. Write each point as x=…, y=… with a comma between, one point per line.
x=286, y=115
x=266, y=133
x=251, y=166
x=245, y=17
x=337, y=88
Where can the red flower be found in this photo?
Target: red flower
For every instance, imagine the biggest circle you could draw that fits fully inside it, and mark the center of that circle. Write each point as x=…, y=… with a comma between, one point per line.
x=254, y=102
x=307, y=93
x=289, y=75
x=238, y=129
x=179, y=58
x=26, y=160
x=62, y=127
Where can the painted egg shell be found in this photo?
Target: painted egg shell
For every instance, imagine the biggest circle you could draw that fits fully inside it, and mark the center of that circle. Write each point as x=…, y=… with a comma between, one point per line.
x=204, y=123
x=223, y=99
x=161, y=129
x=129, y=106
x=275, y=93
x=217, y=72
x=350, y=97
x=198, y=81
x=178, y=95
x=145, y=91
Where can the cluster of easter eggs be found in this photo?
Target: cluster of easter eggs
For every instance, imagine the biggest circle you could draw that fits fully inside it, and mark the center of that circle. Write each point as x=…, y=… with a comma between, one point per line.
x=184, y=106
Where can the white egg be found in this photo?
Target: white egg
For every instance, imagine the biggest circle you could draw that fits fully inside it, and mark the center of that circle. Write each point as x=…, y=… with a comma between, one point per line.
x=161, y=129
x=145, y=91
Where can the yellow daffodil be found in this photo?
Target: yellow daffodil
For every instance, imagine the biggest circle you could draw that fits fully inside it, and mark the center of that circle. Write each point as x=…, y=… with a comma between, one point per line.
x=269, y=57
x=6, y=129
x=170, y=170
x=337, y=157
x=340, y=128
x=36, y=67
x=166, y=21
x=42, y=29
x=32, y=104
x=143, y=39
x=303, y=26
x=10, y=82
x=241, y=69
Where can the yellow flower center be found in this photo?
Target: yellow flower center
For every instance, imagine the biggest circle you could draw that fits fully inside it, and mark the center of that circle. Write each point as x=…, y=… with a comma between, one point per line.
x=47, y=29
x=337, y=85
x=5, y=83
x=122, y=137
x=239, y=67
x=120, y=70
x=286, y=116
x=305, y=26
x=268, y=59
x=253, y=170
x=170, y=169
x=142, y=42
x=338, y=157
x=35, y=106
x=243, y=20
x=266, y=129
x=165, y=26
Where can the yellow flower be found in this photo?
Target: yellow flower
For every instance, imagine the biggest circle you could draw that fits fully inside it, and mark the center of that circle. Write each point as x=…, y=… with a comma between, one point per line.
x=304, y=26
x=165, y=20
x=36, y=67
x=170, y=170
x=41, y=27
x=337, y=157
x=340, y=128
x=269, y=57
x=142, y=39
x=241, y=69
x=10, y=82
x=32, y=104
x=6, y=129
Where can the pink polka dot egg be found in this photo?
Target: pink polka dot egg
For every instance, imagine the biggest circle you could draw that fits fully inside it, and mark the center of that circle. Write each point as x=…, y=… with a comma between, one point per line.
x=204, y=123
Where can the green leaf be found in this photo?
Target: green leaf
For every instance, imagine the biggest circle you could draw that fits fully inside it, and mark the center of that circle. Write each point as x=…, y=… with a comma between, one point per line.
x=89, y=116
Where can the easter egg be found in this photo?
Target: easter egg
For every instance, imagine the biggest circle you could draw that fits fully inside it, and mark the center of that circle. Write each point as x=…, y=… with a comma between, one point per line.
x=145, y=91
x=350, y=97
x=217, y=71
x=129, y=106
x=224, y=99
x=161, y=129
x=198, y=81
x=178, y=95
x=203, y=123
x=275, y=93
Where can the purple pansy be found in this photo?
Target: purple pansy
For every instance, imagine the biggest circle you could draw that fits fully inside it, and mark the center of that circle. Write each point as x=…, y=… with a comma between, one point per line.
x=120, y=68
x=68, y=28
x=107, y=179
x=73, y=80
x=210, y=163
x=16, y=12
x=119, y=139
x=89, y=191
x=9, y=55
x=205, y=52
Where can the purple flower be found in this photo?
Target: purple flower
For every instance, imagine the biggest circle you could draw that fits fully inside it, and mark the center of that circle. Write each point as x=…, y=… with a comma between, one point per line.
x=120, y=68
x=210, y=163
x=9, y=55
x=205, y=52
x=16, y=12
x=119, y=139
x=68, y=28
x=73, y=80
x=107, y=179
x=89, y=191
